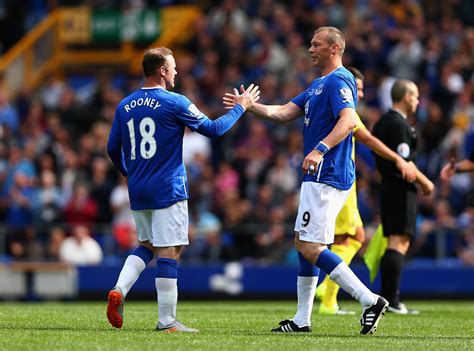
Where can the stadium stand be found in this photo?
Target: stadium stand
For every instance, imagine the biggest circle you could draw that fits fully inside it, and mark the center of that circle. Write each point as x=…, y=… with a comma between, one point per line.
x=57, y=102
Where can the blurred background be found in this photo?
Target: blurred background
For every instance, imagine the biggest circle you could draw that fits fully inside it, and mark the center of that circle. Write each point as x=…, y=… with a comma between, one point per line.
x=66, y=225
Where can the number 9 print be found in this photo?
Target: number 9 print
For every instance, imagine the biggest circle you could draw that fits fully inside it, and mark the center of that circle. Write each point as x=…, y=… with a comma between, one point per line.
x=306, y=218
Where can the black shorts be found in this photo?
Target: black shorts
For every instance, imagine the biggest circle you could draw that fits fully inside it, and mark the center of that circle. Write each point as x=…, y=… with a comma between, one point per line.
x=398, y=207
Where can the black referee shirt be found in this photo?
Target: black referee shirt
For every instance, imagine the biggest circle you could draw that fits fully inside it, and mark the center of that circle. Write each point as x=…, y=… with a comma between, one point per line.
x=395, y=132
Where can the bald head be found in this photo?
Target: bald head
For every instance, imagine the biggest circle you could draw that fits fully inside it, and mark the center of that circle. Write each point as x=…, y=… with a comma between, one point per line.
x=400, y=88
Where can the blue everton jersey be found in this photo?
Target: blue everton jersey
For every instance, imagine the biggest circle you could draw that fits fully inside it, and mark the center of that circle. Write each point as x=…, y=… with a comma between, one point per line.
x=322, y=102
x=149, y=126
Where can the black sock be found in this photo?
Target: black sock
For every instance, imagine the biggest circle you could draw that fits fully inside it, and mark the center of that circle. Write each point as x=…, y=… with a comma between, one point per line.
x=391, y=269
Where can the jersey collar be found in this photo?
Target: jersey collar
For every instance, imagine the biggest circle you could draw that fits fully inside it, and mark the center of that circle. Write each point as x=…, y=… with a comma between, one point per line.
x=404, y=115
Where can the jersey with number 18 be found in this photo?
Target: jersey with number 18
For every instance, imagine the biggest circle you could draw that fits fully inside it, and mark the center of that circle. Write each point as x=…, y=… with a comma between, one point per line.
x=149, y=126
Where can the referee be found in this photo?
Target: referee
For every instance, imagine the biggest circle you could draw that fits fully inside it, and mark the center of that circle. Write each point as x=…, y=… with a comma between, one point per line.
x=398, y=196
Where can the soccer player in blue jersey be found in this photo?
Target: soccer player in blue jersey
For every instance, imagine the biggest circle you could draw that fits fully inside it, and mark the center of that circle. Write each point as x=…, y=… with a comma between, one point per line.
x=328, y=106
x=146, y=146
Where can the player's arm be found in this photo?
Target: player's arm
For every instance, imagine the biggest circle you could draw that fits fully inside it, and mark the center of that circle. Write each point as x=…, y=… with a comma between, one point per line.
x=114, y=146
x=344, y=126
x=426, y=185
x=456, y=167
x=215, y=128
x=376, y=145
x=275, y=113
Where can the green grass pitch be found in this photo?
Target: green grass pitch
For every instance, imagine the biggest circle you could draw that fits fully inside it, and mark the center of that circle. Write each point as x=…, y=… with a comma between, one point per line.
x=230, y=325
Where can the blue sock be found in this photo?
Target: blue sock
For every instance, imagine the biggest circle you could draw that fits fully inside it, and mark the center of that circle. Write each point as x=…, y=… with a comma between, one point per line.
x=166, y=268
x=167, y=289
x=144, y=253
x=328, y=260
x=306, y=268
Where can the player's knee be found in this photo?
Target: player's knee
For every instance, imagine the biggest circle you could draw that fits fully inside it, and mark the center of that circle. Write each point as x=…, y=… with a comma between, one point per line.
x=148, y=245
x=310, y=251
x=400, y=243
x=170, y=252
x=309, y=256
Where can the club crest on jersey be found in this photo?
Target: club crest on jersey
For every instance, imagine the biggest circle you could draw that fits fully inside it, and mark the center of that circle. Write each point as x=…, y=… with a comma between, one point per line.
x=195, y=111
x=346, y=95
x=319, y=89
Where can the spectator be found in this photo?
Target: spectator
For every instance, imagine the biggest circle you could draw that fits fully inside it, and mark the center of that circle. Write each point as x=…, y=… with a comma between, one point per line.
x=81, y=208
x=48, y=202
x=56, y=237
x=9, y=119
x=21, y=237
x=80, y=248
x=62, y=129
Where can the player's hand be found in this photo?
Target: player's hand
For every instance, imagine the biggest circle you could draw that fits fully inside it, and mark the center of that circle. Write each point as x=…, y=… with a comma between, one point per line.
x=407, y=169
x=448, y=170
x=427, y=187
x=311, y=162
x=245, y=98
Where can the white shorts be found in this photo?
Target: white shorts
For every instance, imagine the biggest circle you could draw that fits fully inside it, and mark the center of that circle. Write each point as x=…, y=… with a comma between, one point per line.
x=165, y=227
x=319, y=206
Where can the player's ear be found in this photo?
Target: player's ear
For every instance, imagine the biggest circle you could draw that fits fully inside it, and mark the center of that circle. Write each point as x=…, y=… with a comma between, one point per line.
x=406, y=97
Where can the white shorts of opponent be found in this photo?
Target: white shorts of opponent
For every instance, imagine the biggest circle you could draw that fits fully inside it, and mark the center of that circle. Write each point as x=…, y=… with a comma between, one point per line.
x=165, y=227
x=319, y=206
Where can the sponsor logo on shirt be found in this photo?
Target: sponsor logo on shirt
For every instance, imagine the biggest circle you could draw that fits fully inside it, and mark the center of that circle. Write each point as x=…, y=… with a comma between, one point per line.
x=346, y=95
x=306, y=107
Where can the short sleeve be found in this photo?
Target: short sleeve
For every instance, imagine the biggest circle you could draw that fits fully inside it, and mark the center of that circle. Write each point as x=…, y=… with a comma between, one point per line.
x=188, y=113
x=341, y=95
x=299, y=100
x=400, y=140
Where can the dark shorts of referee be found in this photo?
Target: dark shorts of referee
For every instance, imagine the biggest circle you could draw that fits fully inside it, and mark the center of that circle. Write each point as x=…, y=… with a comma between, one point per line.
x=398, y=207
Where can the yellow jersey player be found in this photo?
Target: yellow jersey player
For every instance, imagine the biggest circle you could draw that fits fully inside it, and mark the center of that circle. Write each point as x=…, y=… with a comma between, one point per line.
x=349, y=230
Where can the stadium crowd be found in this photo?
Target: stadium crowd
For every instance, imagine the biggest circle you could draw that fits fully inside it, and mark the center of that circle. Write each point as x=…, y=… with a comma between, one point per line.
x=58, y=190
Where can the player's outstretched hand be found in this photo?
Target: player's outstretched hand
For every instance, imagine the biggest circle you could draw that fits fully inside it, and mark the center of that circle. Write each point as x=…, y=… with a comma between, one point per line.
x=245, y=98
x=448, y=170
